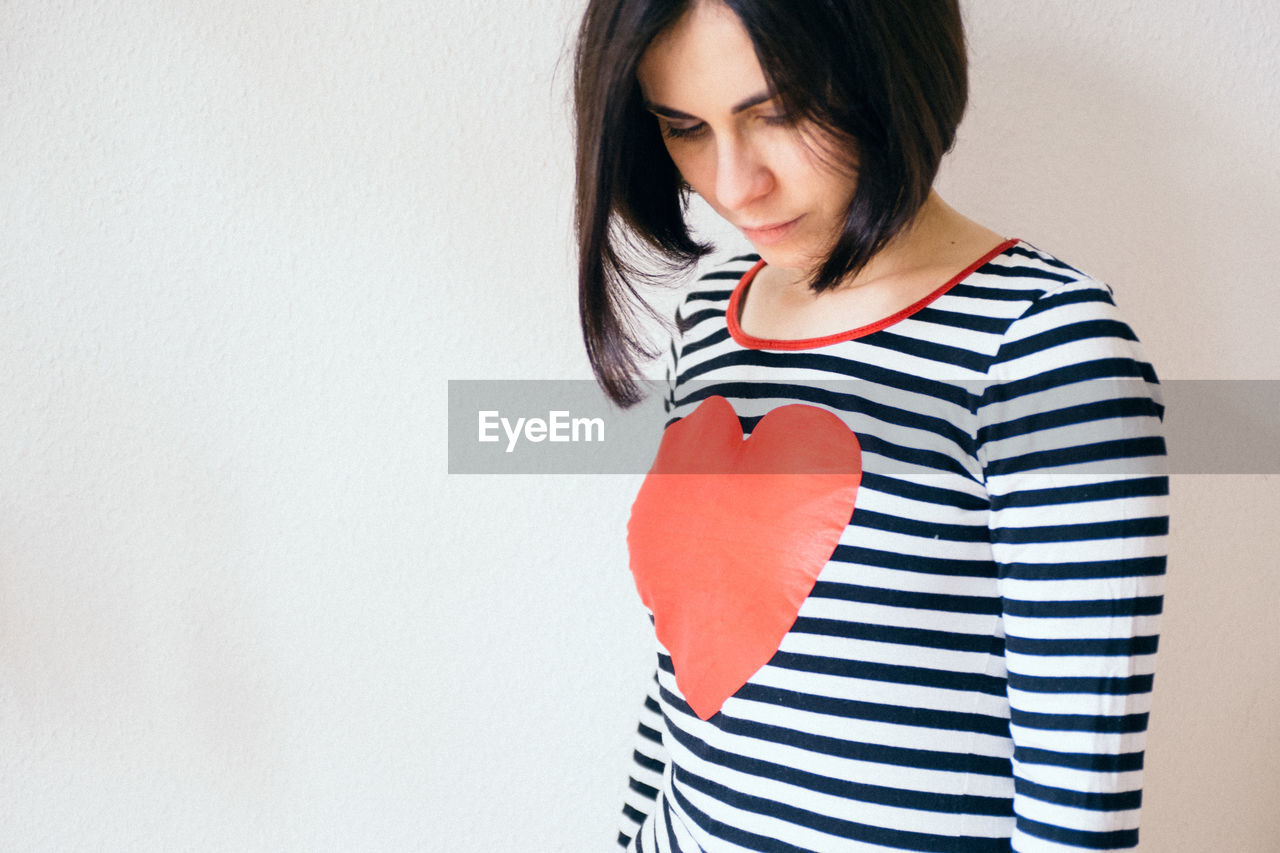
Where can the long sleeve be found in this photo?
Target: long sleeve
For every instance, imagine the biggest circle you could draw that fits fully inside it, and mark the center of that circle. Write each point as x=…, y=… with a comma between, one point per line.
x=649, y=756
x=648, y=763
x=1073, y=456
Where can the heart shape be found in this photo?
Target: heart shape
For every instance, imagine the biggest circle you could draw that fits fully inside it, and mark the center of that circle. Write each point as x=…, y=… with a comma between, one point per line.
x=727, y=537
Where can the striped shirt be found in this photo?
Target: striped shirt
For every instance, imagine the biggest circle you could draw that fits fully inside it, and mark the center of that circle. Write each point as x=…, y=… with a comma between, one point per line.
x=971, y=669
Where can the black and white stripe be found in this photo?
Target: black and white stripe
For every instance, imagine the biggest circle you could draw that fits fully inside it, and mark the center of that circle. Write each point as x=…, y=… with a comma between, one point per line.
x=973, y=669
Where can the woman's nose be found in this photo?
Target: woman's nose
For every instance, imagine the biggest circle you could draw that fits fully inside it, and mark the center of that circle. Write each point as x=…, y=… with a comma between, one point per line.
x=742, y=176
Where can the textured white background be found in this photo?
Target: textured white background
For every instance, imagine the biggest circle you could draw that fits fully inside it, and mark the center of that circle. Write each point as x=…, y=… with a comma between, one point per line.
x=243, y=245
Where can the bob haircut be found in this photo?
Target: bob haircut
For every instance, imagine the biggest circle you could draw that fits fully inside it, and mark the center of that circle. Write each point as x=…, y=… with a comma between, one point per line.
x=887, y=78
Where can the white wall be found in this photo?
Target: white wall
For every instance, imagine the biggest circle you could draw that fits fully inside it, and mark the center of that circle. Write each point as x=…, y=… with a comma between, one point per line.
x=242, y=248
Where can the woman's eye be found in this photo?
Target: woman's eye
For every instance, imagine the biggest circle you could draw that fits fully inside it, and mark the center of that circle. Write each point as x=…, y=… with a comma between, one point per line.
x=671, y=131
x=781, y=120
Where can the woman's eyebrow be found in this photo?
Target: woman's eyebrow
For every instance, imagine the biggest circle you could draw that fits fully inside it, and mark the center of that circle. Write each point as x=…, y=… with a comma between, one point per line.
x=668, y=112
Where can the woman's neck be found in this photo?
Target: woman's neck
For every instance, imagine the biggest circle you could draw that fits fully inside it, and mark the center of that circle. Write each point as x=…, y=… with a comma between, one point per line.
x=938, y=236
x=939, y=245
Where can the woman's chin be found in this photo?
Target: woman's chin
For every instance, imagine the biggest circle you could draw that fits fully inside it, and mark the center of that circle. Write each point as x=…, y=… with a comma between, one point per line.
x=783, y=258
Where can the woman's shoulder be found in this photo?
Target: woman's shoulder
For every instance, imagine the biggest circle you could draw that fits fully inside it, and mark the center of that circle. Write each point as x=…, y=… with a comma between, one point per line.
x=714, y=281
x=717, y=276
x=1051, y=314
x=1024, y=273
x=1023, y=282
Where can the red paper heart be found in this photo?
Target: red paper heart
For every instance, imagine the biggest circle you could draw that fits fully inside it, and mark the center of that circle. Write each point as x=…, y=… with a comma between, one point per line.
x=727, y=537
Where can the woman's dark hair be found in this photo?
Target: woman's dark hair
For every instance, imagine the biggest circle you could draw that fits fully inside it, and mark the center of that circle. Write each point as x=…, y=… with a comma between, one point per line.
x=889, y=77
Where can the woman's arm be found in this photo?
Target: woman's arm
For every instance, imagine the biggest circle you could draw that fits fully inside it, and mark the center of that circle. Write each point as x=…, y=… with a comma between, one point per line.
x=1074, y=461
x=649, y=757
x=648, y=763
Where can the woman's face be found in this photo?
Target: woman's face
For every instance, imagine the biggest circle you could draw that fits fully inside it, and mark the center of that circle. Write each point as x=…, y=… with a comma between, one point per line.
x=732, y=144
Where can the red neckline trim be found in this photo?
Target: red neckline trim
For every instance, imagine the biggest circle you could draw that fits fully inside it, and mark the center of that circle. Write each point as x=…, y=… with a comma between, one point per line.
x=752, y=342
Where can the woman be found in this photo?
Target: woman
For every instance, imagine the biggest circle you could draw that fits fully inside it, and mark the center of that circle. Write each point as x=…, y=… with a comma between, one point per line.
x=933, y=626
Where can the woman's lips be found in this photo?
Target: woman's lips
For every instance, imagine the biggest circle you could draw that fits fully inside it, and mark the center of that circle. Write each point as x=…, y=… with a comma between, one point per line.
x=770, y=234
